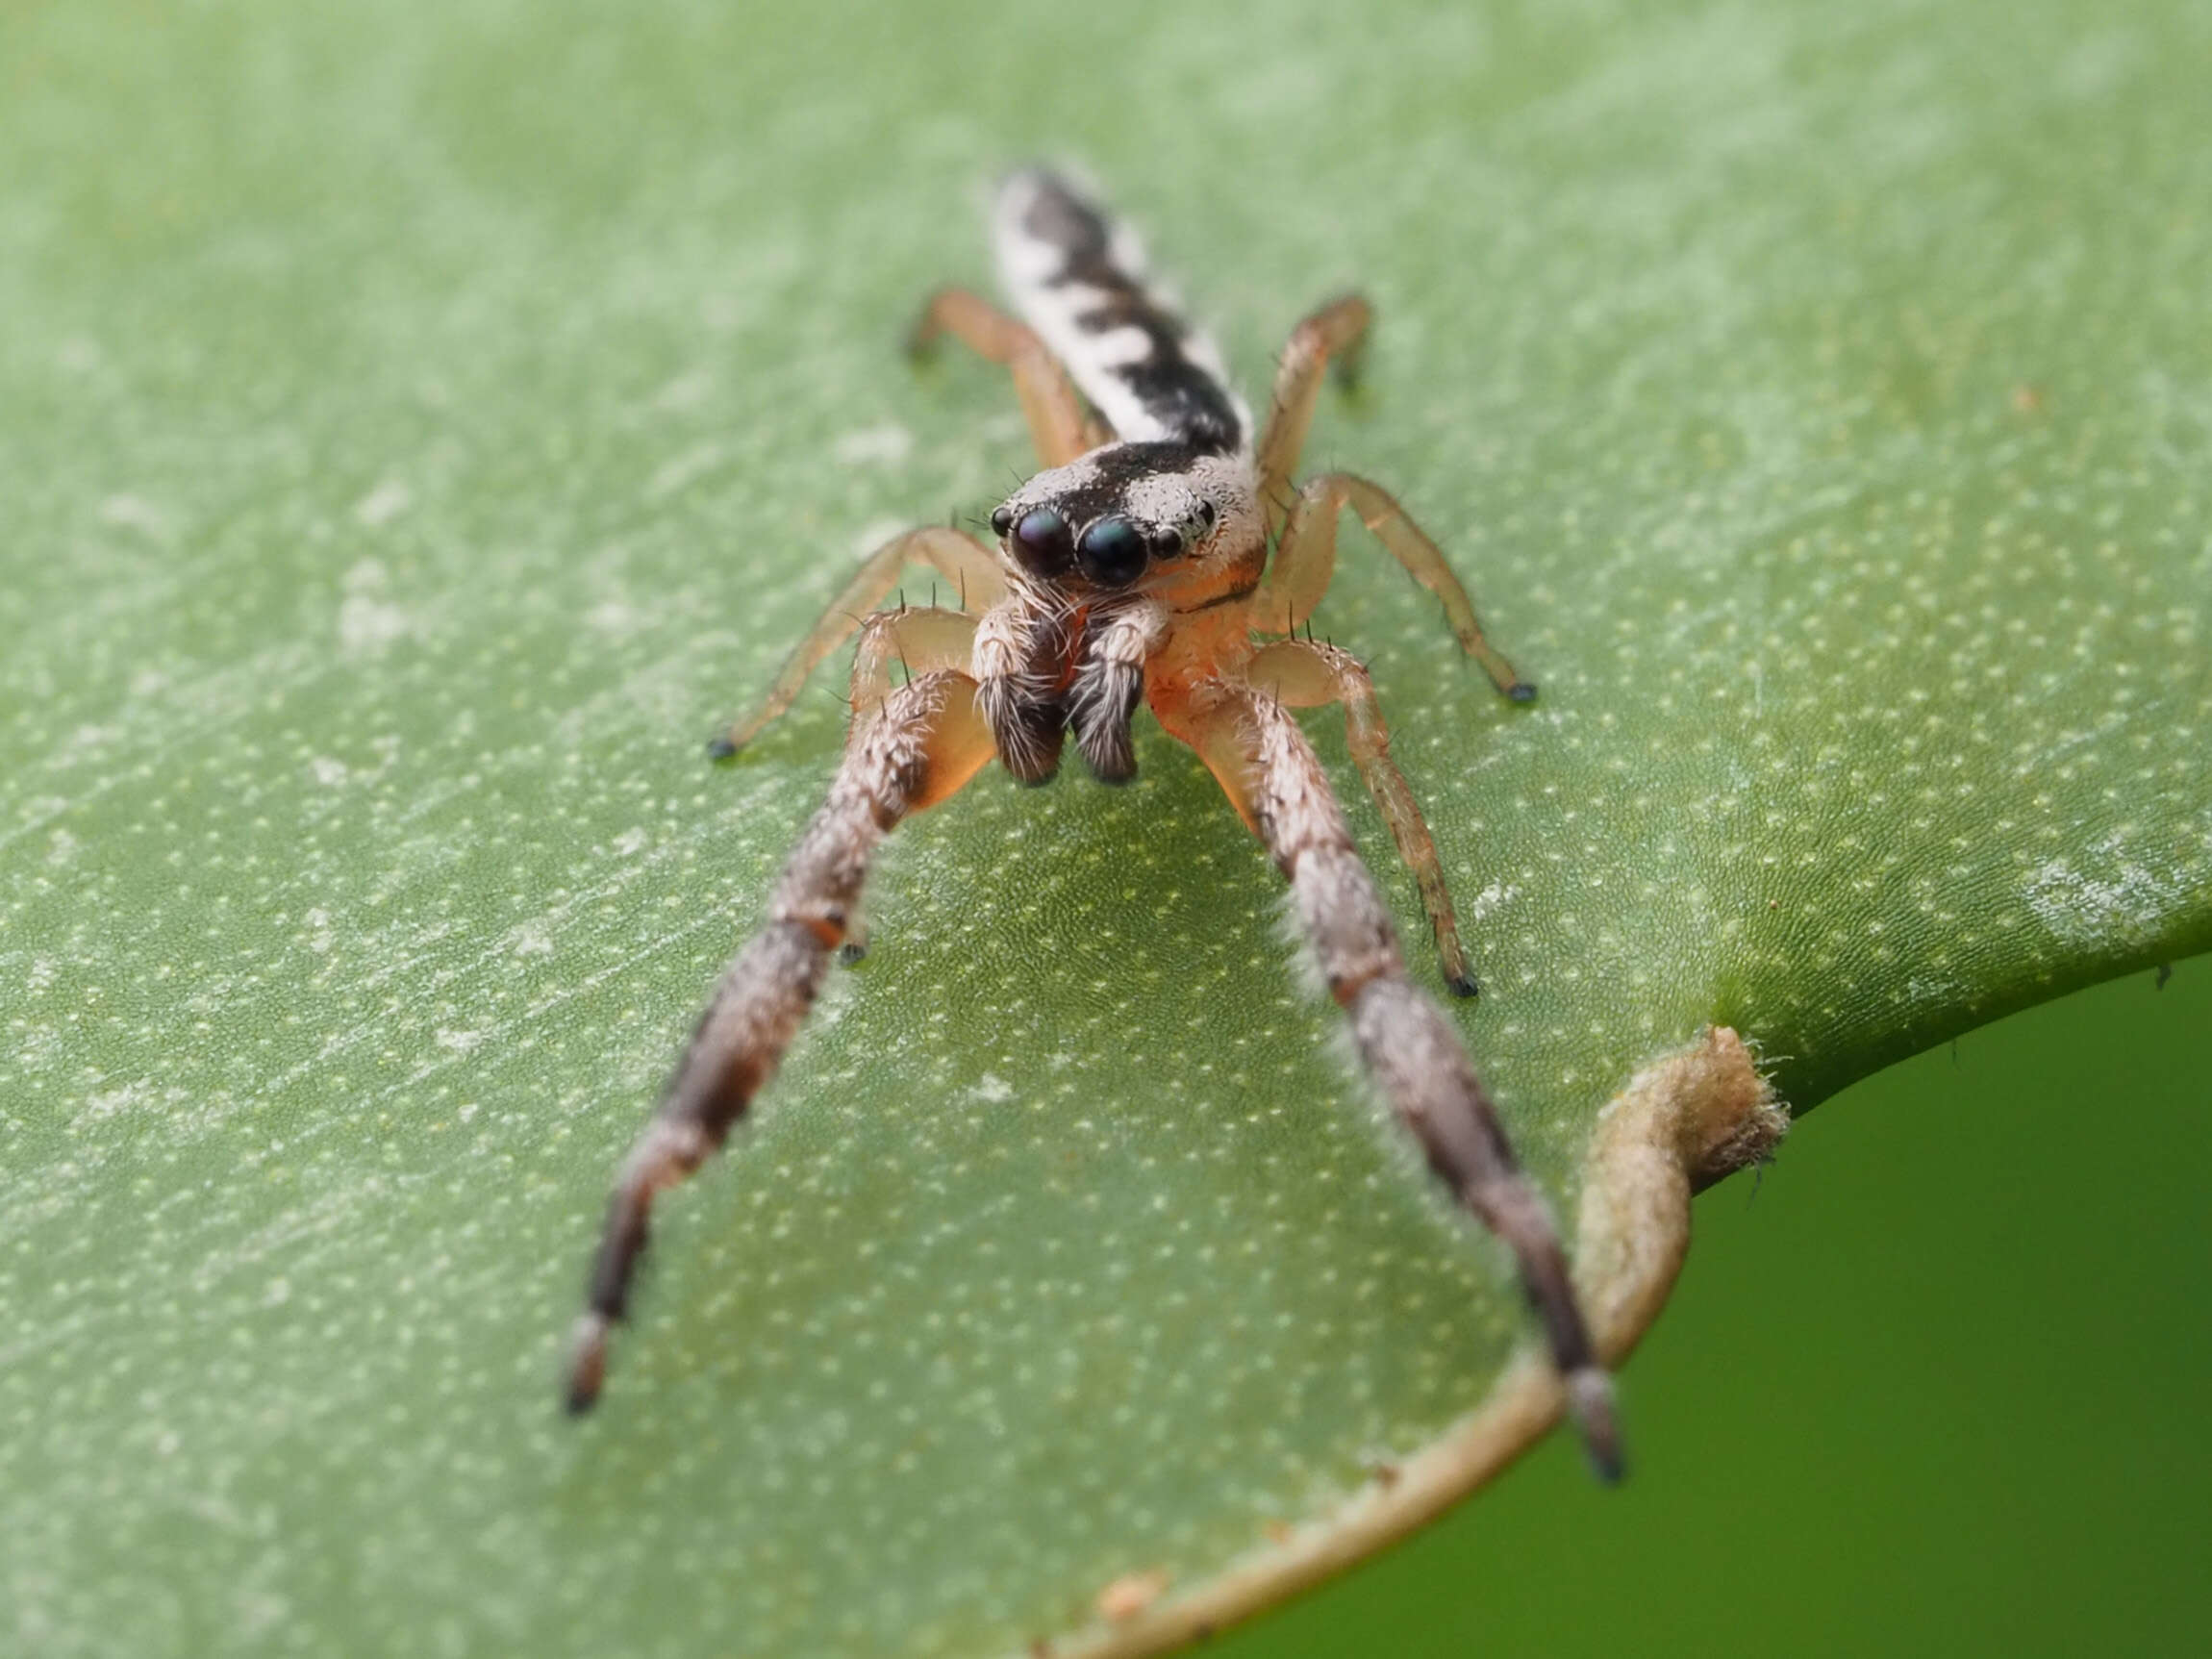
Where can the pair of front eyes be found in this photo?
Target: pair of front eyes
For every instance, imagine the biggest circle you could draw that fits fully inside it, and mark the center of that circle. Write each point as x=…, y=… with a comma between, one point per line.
x=1111, y=552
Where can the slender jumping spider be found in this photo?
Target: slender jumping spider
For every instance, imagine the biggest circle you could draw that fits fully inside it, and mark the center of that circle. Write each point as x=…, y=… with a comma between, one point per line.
x=1135, y=568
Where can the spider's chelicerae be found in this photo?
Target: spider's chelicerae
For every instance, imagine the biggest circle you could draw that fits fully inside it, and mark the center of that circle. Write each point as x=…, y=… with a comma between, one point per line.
x=1159, y=557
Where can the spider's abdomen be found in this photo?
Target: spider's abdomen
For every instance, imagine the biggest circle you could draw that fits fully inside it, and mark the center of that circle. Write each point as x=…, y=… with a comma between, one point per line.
x=1078, y=280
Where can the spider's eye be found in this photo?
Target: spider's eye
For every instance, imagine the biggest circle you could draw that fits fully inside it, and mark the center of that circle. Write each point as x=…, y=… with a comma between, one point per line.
x=1042, y=540
x=1167, y=543
x=1002, y=520
x=1205, y=516
x=1113, y=552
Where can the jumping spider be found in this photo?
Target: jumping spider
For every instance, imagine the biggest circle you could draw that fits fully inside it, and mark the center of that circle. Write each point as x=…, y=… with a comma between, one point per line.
x=1136, y=567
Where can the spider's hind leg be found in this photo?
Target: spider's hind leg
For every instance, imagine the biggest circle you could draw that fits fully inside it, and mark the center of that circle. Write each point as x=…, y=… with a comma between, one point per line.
x=921, y=746
x=1305, y=675
x=1057, y=423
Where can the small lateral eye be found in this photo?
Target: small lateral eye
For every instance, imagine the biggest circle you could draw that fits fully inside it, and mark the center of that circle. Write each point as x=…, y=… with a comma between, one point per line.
x=1113, y=552
x=1167, y=543
x=1205, y=516
x=1002, y=520
x=1042, y=542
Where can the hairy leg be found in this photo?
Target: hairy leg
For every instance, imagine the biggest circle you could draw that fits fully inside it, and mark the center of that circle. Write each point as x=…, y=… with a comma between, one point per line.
x=1407, y=1044
x=1057, y=423
x=1301, y=674
x=1339, y=330
x=966, y=563
x=921, y=746
x=1306, y=558
x=921, y=640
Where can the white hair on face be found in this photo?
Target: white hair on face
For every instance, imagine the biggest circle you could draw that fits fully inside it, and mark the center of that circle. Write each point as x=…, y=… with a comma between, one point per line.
x=1173, y=498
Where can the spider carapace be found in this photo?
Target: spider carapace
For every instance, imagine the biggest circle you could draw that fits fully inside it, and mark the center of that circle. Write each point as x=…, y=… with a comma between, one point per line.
x=1163, y=556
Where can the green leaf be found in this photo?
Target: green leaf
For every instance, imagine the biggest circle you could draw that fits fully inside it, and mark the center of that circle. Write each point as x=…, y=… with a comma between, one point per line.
x=420, y=425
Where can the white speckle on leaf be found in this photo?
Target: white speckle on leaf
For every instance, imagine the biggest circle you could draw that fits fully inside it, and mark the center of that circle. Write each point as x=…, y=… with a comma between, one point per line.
x=2083, y=910
x=329, y=771
x=382, y=505
x=874, y=447
x=135, y=513
x=367, y=625
x=1495, y=896
x=684, y=469
x=631, y=842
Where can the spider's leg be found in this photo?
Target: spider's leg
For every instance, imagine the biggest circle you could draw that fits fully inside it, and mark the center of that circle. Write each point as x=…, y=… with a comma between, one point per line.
x=959, y=558
x=1407, y=1044
x=1057, y=423
x=922, y=743
x=907, y=645
x=1304, y=675
x=1337, y=330
x=1306, y=558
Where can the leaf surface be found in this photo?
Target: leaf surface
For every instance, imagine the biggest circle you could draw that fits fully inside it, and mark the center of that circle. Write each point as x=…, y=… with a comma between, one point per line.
x=420, y=425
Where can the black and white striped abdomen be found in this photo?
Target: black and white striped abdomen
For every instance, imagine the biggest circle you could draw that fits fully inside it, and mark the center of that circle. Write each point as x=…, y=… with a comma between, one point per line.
x=1077, y=278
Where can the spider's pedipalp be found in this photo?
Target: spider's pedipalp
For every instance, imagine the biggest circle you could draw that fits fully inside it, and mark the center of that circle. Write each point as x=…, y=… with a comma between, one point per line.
x=961, y=559
x=922, y=743
x=1303, y=674
x=1406, y=1043
x=1109, y=684
x=1306, y=558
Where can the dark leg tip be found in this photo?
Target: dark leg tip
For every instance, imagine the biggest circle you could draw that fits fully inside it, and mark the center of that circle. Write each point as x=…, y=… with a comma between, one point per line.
x=1462, y=985
x=1520, y=692
x=720, y=748
x=1590, y=1402
x=851, y=954
x=587, y=1364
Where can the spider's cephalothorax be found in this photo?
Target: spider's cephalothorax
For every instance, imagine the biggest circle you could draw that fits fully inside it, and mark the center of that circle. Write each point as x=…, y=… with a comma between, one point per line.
x=1161, y=557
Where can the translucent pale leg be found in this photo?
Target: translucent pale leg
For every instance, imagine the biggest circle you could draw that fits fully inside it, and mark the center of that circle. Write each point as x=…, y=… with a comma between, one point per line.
x=1337, y=331
x=966, y=563
x=1409, y=1046
x=921, y=745
x=1057, y=423
x=1303, y=674
x=1306, y=558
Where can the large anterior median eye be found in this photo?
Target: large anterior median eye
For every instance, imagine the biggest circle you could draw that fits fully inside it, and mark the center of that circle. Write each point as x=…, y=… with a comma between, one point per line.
x=1113, y=552
x=1042, y=542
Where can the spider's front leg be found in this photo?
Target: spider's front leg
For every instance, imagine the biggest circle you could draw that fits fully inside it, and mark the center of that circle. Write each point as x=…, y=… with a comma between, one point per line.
x=1306, y=559
x=967, y=565
x=1303, y=674
x=1407, y=1044
x=1336, y=333
x=924, y=742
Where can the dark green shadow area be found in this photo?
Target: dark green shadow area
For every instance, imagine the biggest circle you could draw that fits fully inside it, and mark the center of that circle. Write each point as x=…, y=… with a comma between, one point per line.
x=1937, y=1384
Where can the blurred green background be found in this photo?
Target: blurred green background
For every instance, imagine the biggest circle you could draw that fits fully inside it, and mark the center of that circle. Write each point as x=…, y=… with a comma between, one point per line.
x=1937, y=1383
x=419, y=422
